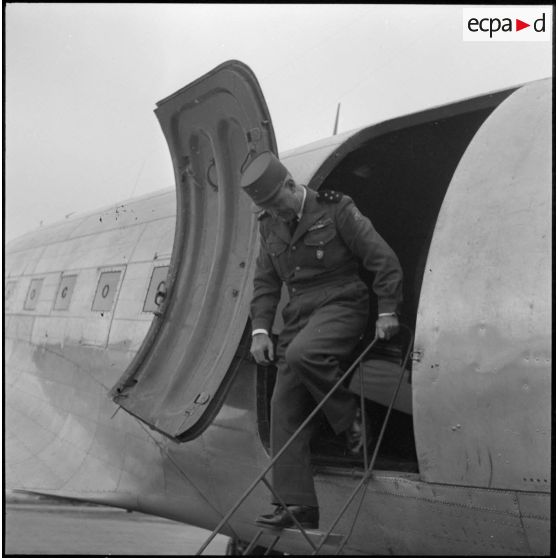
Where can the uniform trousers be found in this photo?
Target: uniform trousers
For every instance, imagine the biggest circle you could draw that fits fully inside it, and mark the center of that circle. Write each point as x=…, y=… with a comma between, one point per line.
x=322, y=327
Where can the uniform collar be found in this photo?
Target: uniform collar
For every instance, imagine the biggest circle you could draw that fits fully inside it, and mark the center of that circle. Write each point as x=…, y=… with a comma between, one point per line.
x=309, y=213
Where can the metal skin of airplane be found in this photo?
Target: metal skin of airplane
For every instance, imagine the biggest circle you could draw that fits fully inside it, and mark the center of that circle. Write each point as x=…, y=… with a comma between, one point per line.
x=118, y=395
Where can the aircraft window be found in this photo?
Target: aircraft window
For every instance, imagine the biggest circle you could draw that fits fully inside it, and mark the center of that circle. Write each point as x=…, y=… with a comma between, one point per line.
x=156, y=285
x=9, y=292
x=65, y=292
x=106, y=291
x=33, y=294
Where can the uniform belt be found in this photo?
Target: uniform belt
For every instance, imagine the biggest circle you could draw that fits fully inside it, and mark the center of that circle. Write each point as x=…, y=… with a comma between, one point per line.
x=321, y=282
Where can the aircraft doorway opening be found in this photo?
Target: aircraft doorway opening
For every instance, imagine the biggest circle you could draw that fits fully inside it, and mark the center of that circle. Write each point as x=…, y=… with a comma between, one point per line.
x=398, y=179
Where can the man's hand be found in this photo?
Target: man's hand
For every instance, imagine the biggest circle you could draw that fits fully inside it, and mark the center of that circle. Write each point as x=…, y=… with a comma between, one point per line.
x=387, y=327
x=262, y=349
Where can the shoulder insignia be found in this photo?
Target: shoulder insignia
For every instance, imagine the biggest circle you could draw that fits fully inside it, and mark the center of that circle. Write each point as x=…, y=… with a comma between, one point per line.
x=357, y=215
x=329, y=196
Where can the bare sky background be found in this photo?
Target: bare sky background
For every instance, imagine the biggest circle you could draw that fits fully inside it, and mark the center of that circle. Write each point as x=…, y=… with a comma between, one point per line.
x=82, y=80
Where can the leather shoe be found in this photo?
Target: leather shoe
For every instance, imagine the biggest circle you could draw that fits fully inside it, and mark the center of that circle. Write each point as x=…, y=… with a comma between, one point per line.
x=307, y=516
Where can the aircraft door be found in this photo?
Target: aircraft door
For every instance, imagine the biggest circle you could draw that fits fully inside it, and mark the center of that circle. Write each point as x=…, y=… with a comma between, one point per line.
x=213, y=127
x=482, y=375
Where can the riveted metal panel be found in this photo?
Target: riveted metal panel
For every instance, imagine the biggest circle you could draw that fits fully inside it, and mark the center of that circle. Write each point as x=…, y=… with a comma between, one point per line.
x=482, y=386
x=33, y=294
x=150, y=207
x=107, y=288
x=65, y=292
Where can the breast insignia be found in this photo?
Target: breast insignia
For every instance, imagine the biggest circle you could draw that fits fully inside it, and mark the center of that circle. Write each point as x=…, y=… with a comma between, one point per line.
x=329, y=196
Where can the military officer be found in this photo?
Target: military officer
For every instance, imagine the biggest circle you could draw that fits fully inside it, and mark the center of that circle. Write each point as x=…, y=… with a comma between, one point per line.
x=313, y=242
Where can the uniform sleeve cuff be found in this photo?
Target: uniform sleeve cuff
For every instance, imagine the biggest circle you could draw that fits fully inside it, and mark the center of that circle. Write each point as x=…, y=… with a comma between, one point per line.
x=259, y=330
x=388, y=305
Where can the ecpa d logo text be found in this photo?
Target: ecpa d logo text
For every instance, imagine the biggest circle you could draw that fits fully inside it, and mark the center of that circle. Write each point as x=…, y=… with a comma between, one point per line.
x=507, y=24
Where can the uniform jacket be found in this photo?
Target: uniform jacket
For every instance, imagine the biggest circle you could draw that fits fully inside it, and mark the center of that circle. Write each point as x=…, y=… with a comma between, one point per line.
x=332, y=237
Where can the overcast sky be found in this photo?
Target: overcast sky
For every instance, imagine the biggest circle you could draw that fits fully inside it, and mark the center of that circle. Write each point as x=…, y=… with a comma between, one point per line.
x=82, y=82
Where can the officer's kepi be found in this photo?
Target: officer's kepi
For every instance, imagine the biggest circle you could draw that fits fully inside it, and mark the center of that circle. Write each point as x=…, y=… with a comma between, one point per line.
x=263, y=177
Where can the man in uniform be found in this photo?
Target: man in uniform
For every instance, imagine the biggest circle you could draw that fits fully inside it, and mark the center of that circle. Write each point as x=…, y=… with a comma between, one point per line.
x=313, y=242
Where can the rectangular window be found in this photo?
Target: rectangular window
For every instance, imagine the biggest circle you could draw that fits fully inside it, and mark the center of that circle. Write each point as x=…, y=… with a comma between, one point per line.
x=106, y=291
x=65, y=292
x=33, y=294
x=158, y=280
x=9, y=291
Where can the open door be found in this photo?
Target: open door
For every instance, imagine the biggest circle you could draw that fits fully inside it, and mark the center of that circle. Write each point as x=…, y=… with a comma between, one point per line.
x=213, y=127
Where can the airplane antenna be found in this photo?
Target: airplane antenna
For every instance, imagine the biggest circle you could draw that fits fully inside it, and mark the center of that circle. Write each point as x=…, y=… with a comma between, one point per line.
x=336, y=119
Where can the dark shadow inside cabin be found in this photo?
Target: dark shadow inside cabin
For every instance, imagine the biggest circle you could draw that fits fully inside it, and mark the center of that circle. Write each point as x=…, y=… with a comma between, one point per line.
x=398, y=180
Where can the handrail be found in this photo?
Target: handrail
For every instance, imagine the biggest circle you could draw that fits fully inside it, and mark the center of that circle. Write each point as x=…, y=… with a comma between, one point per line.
x=368, y=472
x=287, y=444
x=261, y=476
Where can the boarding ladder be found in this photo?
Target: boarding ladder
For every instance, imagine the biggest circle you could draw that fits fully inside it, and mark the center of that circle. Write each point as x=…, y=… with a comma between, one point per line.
x=317, y=539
